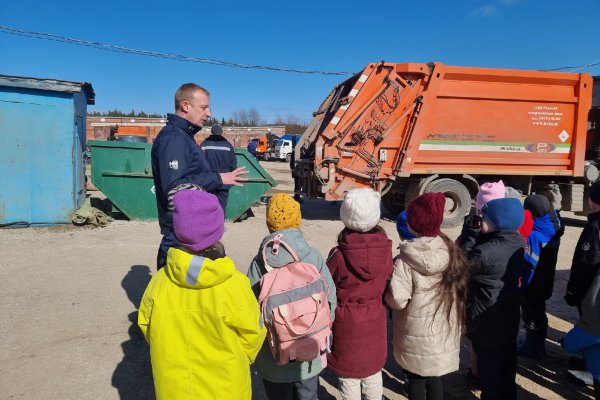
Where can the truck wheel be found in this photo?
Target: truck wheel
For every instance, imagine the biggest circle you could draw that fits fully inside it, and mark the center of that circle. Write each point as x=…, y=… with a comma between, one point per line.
x=288, y=158
x=458, y=200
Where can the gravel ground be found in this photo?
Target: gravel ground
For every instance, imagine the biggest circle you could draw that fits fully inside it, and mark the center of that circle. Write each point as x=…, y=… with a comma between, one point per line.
x=69, y=297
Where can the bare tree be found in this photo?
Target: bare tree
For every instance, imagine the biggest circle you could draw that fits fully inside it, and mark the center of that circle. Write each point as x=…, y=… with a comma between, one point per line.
x=246, y=117
x=293, y=124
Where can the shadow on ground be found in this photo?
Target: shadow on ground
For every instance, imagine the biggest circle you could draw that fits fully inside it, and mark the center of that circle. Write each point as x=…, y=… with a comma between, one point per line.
x=133, y=375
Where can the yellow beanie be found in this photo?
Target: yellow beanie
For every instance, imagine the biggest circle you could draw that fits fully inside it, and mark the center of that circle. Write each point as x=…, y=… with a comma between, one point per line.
x=283, y=212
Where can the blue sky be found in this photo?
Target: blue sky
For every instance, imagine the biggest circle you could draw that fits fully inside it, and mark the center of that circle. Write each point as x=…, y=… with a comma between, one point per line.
x=308, y=35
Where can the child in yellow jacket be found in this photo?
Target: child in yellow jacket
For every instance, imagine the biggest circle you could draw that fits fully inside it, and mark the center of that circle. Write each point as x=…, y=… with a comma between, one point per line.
x=198, y=313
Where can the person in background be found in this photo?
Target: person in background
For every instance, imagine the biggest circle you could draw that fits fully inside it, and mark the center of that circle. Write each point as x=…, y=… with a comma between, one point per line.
x=493, y=310
x=295, y=176
x=220, y=155
x=198, y=313
x=298, y=380
x=177, y=161
x=427, y=293
x=252, y=146
x=360, y=265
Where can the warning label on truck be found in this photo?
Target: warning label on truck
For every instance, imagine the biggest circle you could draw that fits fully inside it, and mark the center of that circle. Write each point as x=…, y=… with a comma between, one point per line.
x=543, y=115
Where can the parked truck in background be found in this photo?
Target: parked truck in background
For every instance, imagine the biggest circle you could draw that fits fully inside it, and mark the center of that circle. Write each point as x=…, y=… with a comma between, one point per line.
x=406, y=129
x=284, y=147
x=266, y=146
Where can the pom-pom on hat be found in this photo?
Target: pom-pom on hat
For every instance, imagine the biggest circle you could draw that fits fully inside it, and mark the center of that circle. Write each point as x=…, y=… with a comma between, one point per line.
x=537, y=204
x=361, y=209
x=283, y=212
x=425, y=214
x=504, y=213
x=198, y=219
x=489, y=191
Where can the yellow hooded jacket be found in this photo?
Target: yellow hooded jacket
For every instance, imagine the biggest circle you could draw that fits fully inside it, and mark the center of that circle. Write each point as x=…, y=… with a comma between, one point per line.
x=201, y=320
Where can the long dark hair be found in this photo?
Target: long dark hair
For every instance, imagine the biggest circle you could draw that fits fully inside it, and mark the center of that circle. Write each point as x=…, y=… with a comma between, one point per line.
x=345, y=232
x=451, y=290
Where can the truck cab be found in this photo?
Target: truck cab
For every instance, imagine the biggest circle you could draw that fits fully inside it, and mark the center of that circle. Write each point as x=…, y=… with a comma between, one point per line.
x=284, y=147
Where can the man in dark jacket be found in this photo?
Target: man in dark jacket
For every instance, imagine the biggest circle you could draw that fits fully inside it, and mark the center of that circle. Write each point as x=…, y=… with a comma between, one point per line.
x=220, y=155
x=496, y=255
x=177, y=160
x=252, y=146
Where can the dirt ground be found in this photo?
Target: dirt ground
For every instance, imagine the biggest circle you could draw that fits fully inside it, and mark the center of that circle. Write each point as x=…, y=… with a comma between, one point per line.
x=69, y=298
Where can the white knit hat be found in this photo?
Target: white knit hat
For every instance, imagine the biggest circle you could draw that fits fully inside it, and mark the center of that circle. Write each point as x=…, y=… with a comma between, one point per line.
x=361, y=209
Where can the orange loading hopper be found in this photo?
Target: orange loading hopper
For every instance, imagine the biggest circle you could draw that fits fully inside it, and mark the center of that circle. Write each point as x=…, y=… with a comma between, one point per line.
x=403, y=129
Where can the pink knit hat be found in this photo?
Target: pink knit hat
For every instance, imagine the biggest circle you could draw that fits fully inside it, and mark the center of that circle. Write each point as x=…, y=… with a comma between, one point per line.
x=198, y=219
x=489, y=191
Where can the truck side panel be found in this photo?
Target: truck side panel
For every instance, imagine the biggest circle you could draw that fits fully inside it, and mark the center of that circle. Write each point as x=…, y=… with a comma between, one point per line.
x=407, y=120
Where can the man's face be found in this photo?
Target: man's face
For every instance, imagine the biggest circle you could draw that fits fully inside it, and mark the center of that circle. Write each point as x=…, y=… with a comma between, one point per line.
x=197, y=111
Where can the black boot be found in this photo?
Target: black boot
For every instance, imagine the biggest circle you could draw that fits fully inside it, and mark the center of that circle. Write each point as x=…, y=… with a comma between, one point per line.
x=534, y=345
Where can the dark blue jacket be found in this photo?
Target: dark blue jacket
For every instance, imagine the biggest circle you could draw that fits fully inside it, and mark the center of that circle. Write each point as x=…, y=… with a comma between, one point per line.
x=252, y=147
x=220, y=155
x=177, y=159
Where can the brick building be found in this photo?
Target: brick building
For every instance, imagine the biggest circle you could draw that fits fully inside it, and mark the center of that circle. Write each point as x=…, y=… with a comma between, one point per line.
x=101, y=128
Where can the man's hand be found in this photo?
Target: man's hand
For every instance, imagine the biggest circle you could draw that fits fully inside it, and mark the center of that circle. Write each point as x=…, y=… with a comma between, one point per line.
x=234, y=177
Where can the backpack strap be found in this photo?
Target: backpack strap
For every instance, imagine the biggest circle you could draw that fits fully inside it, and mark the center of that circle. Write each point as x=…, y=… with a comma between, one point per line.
x=275, y=250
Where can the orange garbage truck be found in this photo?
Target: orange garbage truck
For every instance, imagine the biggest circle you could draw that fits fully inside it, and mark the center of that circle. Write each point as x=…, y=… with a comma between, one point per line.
x=406, y=129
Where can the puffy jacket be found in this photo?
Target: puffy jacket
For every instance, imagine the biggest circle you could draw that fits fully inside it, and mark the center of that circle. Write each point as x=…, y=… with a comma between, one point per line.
x=360, y=266
x=493, y=307
x=424, y=345
x=220, y=155
x=265, y=363
x=586, y=261
x=177, y=159
x=202, y=322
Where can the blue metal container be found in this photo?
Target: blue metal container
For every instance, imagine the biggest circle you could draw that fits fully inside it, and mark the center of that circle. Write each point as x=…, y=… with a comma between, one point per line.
x=42, y=140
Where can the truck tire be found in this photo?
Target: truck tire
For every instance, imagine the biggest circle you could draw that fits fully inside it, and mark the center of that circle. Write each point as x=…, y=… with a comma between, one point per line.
x=288, y=158
x=458, y=200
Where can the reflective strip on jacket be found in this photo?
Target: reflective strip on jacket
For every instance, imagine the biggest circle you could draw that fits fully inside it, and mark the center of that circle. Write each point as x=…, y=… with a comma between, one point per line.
x=201, y=320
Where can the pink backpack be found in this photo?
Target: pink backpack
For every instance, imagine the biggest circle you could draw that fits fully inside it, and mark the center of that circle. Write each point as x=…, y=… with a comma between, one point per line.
x=295, y=309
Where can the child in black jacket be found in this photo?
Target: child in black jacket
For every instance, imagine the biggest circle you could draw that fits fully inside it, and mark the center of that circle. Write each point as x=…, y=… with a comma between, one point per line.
x=496, y=256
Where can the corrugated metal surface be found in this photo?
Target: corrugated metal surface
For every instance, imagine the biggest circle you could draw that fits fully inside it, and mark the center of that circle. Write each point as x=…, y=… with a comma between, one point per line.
x=42, y=134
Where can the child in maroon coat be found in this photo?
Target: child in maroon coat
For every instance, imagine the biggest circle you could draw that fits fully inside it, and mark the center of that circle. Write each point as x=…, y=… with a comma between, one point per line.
x=360, y=265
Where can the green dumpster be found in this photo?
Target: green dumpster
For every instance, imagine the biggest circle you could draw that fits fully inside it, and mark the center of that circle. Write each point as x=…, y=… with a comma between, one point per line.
x=259, y=181
x=123, y=172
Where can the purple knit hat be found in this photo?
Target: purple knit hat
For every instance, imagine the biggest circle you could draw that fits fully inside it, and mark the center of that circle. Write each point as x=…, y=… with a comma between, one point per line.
x=489, y=191
x=198, y=219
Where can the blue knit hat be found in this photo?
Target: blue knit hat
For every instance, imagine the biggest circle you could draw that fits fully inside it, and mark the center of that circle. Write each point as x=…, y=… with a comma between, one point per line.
x=402, y=227
x=504, y=214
